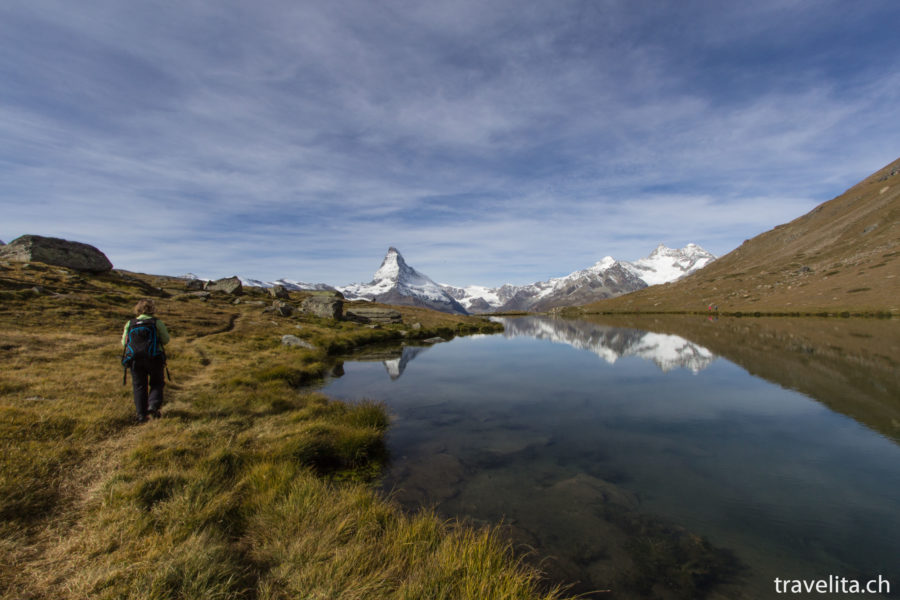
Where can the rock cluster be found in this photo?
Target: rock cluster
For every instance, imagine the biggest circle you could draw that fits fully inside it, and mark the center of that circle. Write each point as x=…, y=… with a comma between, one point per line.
x=55, y=251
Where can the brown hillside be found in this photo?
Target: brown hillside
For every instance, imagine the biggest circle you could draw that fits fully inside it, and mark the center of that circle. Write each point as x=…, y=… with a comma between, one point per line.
x=843, y=256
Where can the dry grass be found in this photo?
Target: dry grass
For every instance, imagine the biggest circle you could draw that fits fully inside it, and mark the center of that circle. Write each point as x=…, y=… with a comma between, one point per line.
x=249, y=487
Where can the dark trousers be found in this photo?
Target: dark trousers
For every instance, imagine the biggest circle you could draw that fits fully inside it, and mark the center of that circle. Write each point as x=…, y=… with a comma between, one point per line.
x=148, y=400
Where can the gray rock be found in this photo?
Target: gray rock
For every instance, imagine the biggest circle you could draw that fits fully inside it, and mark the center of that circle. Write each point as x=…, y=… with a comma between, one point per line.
x=282, y=308
x=295, y=342
x=278, y=291
x=229, y=285
x=56, y=251
x=325, y=307
x=373, y=315
x=193, y=284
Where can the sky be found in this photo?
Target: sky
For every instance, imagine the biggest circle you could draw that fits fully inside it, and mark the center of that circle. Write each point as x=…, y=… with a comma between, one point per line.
x=489, y=141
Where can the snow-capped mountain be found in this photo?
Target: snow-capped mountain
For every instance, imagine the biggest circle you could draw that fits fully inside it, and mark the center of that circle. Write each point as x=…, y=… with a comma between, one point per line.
x=395, y=282
x=611, y=343
x=667, y=264
x=289, y=284
x=606, y=278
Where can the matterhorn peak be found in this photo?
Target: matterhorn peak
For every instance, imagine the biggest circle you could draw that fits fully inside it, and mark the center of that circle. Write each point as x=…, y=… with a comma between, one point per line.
x=392, y=266
x=395, y=282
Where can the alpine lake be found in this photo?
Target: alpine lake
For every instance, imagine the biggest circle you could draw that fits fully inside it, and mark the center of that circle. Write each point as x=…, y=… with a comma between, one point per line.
x=656, y=457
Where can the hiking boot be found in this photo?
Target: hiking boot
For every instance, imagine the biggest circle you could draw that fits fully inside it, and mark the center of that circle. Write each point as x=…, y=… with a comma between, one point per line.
x=154, y=412
x=140, y=419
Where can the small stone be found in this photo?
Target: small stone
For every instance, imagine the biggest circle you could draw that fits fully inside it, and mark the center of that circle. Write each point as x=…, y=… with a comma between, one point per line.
x=295, y=342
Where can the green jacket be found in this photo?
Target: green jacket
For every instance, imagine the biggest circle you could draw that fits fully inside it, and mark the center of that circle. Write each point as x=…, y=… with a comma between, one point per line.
x=161, y=332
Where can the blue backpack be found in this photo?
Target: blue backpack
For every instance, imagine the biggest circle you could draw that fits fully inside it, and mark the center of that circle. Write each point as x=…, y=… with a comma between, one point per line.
x=142, y=343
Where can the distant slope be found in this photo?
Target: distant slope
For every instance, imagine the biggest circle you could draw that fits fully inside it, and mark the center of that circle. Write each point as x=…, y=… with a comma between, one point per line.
x=844, y=255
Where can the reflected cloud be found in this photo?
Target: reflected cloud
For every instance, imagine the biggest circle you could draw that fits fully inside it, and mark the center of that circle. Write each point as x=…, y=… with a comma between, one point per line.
x=667, y=351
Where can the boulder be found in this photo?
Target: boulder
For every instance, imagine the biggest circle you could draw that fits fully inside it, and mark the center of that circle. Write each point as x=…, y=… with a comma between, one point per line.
x=326, y=307
x=193, y=284
x=294, y=341
x=373, y=315
x=229, y=285
x=56, y=251
x=278, y=291
x=282, y=308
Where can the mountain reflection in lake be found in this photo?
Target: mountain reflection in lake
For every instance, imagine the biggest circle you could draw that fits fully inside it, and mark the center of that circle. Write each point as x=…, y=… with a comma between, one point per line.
x=658, y=470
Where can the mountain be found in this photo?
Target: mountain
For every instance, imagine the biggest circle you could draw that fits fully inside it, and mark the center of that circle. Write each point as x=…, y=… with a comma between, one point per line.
x=842, y=256
x=605, y=279
x=666, y=264
x=395, y=282
x=288, y=284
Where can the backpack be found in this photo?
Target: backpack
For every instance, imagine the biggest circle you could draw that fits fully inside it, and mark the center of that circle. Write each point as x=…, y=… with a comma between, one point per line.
x=142, y=343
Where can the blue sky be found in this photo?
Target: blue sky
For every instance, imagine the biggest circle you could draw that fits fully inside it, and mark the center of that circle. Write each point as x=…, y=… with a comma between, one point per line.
x=490, y=142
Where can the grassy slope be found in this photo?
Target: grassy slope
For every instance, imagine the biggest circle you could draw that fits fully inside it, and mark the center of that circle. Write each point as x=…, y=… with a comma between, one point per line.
x=247, y=488
x=842, y=256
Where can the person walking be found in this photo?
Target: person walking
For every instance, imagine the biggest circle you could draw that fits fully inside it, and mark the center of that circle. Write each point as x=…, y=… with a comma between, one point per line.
x=143, y=341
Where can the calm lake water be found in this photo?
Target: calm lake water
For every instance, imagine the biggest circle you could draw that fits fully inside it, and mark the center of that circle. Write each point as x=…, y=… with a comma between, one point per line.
x=648, y=463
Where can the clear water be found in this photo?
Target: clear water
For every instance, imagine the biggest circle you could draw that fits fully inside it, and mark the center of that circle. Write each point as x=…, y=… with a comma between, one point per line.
x=611, y=452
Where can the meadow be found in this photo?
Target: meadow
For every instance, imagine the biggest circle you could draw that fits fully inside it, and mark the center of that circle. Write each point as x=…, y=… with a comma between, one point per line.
x=251, y=485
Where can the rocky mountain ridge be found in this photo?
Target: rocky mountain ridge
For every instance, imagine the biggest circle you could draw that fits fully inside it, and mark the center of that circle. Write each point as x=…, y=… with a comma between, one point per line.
x=605, y=279
x=395, y=282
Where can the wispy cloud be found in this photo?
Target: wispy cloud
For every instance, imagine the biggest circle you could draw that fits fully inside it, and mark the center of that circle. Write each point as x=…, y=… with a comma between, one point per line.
x=489, y=141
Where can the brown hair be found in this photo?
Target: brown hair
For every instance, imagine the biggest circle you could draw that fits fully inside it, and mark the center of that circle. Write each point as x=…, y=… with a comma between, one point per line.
x=145, y=306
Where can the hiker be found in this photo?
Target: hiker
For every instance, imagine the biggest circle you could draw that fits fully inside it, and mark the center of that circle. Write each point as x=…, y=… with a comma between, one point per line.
x=143, y=341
